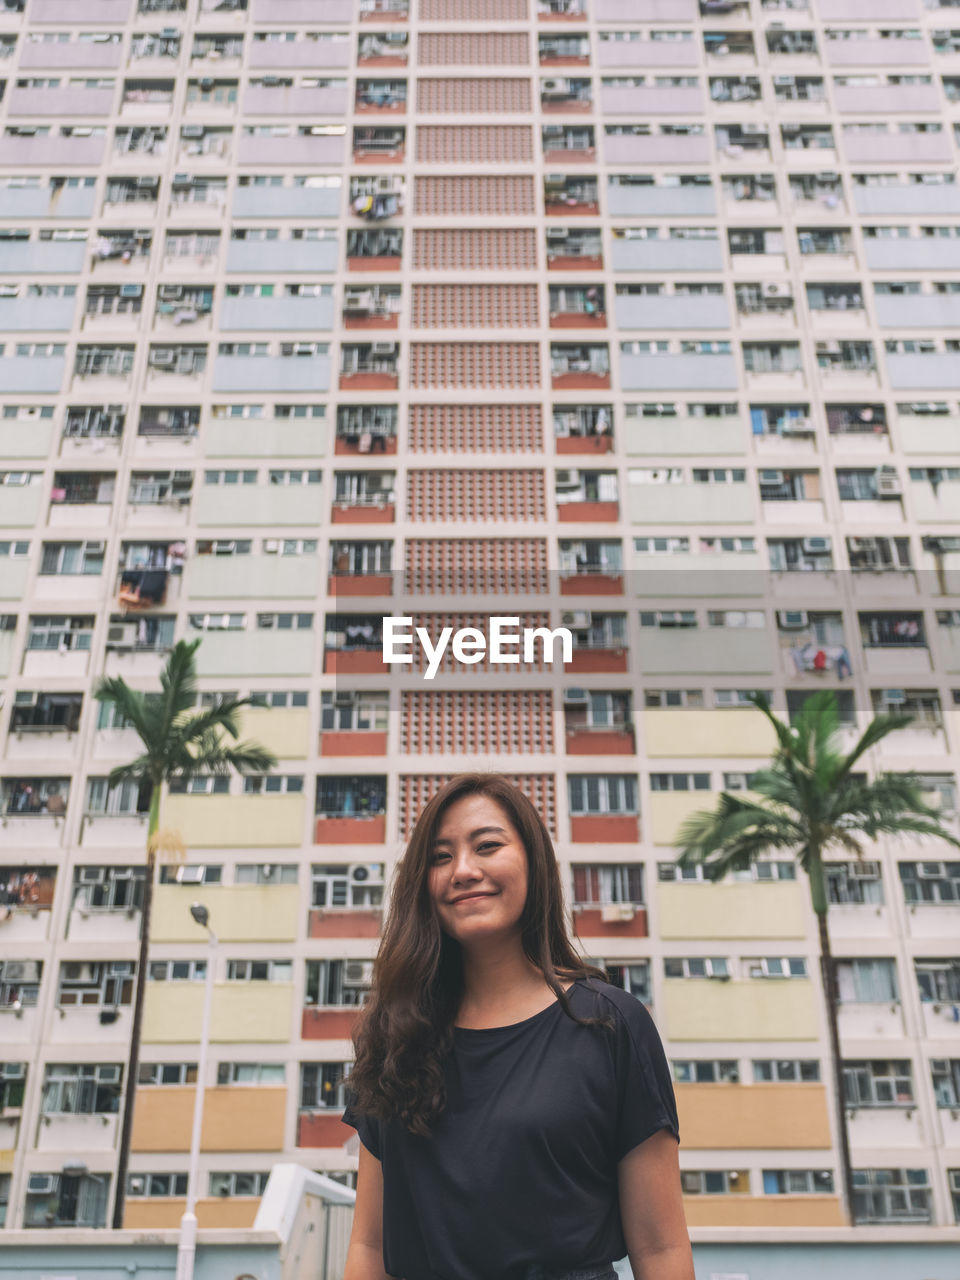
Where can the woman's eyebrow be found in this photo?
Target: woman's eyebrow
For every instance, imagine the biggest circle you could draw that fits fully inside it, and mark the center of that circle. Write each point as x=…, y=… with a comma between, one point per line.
x=480, y=831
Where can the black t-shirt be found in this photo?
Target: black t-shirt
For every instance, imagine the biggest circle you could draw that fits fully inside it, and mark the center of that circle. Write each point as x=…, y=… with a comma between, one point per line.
x=521, y=1165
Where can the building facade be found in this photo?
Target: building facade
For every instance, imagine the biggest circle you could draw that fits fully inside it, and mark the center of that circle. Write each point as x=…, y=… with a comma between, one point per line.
x=627, y=315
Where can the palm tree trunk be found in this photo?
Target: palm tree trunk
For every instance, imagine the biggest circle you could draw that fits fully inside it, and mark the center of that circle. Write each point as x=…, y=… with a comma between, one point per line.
x=828, y=970
x=133, y=1064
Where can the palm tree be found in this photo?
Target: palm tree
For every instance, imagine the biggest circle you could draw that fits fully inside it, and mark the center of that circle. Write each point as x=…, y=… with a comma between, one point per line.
x=811, y=802
x=178, y=742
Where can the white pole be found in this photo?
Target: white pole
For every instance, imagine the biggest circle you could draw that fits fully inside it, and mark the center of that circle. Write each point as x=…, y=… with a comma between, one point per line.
x=187, y=1248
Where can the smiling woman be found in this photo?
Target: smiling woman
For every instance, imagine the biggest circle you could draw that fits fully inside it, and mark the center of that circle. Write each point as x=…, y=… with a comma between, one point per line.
x=515, y=1110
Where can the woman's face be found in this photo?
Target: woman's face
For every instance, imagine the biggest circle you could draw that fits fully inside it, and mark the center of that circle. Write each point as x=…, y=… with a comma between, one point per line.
x=477, y=871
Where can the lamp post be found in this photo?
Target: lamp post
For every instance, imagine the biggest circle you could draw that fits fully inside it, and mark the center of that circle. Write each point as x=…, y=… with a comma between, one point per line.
x=187, y=1247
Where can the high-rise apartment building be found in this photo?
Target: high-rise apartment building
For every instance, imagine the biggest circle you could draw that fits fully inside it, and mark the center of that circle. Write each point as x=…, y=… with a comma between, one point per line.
x=635, y=315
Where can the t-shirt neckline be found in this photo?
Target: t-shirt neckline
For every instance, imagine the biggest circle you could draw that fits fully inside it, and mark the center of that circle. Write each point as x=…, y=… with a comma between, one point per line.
x=513, y=1026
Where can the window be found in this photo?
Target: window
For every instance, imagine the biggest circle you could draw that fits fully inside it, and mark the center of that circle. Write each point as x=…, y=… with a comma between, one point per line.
x=259, y=970
x=738, y=697
x=931, y=882
x=162, y=1073
x=273, y=784
x=190, y=873
x=265, y=873
x=696, y=967
x=60, y=633
x=858, y=882
x=868, y=981
x=177, y=970
x=338, y=983
x=97, y=983
x=663, y=618
x=679, y=782
x=777, y=967
x=81, y=1089
x=797, y=1182
x=891, y=1195
x=938, y=981
x=714, y=1182
x=285, y=621
x=279, y=698
x=359, y=711
x=878, y=1083
x=668, y=872
x=238, y=1184
x=603, y=793
x=203, y=784
x=154, y=1185
x=229, y=477
x=217, y=621
x=600, y=885
x=108, y=888
x=251, y=1073
x=322, y=1085
x=945, y=1075
x=786, y=1070
x=126, y=799
x=707, y=1071
x=359, y=885
x=673, y=698
x=753, y=619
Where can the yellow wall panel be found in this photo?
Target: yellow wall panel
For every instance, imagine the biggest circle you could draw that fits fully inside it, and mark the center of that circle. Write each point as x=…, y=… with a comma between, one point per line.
x=235, y=1118
x=240, y=822
x=708, y=1009
x=731, y=910
x=763, y=1211
x=238, y=912
x=754, y=1117
x=696, y=731
x=259, y=1012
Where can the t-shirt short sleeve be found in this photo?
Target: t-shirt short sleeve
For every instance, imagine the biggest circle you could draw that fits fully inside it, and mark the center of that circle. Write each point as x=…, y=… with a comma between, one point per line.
x=645, y=1097
x=367, y=1127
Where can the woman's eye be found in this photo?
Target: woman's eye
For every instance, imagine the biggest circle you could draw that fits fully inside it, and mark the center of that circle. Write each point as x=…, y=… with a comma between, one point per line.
x=482, y=847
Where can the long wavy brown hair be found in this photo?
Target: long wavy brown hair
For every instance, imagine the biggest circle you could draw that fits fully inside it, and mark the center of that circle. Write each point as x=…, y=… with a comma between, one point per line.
x=405, y=1030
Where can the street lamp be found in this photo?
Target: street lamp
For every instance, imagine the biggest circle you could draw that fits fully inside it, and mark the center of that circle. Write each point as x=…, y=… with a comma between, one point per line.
x=187, y=1248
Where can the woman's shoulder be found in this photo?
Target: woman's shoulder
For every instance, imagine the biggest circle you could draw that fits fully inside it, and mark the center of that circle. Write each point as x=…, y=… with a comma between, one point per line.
x=614, y=1001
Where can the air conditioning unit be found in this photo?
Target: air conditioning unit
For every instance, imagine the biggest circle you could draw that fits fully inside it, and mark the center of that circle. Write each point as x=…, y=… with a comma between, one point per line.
x=122, y=635
x=771, y=289
x=894, y=697
x=577, y=619
x=568, y=479
x=888, y=482
x=25, y=699
x=383, y=348
x=357, y=973
x=930, y=871
x=41, y=1184
x=21, y=971
x=192, y=131
x=617, y=912
x=358, y=300
x=792, y=619
x=74, y=971
x=365, y=873
x=554, y=86
x=170, y=292
x=770, y=477
x=163, y=357
x=753, y=128
x=814, y=546
x=270, y=80
x=131, y=290
x=90, y=875
x=574, y=696
x=137, y=1185
x=796, y=427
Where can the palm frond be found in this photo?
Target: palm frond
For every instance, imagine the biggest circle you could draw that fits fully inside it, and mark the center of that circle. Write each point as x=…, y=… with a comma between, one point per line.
x=130, y=704
x=878, y=729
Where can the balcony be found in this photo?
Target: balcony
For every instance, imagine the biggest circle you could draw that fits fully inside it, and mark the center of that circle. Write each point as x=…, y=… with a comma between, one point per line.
x=930, y=371
x=271, y=373
x=272, y=314
x=32, y=314
x=615, y=920
x=677, y=371
x=303, y=201
x=236, y=1118
x=639, y=147
x=309, y=148
x=710, y=650
x=26, y=900
x=252, y=577
x=727, y=911
x=52, y=151
x=293, y=100
x=650, y=99
x=670, y=311
x=646, y=10
x=899, y=199
x=66, y=104
x=269, y=438
x=885, y=99
x=626, y=199
x=607, y=828
x=244, y=912
x=243, y=1012
x=262, y=652
x=876, y=52
x=697, y=437
x=82, y=54
x=635, y=253
x=740, y=1011
x=700, y=733
x=297, y=257
x=917, y=310
x=895, y=148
